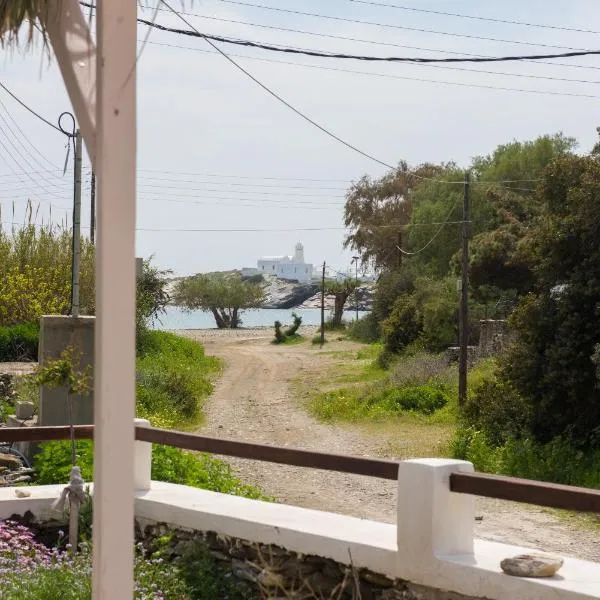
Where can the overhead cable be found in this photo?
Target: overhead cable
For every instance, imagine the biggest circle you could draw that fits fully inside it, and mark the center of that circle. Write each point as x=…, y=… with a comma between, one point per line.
x=474, y=17
x=193, y=32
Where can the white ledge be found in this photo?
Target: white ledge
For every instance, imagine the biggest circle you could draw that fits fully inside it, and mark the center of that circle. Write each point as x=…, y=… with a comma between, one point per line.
x=365, y=544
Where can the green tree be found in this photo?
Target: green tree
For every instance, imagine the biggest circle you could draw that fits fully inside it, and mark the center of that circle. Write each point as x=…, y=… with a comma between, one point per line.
x=341, y=291
x=377, y=211
x=551, y=364
x=225, y=295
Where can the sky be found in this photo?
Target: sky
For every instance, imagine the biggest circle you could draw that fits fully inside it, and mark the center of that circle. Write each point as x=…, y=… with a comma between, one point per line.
x=216, y=152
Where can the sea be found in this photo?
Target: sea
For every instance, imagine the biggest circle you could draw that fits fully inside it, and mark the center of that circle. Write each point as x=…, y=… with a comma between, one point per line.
x=177, y=318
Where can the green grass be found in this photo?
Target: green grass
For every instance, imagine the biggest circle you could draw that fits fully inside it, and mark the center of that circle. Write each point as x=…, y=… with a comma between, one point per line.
x=362, y=391
x=174, y=379
x=290, y=340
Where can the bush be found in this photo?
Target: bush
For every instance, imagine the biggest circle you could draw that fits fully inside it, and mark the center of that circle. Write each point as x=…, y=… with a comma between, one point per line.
x=279, y=335
x=292, y=331
x=424, y=399
x=403, y=325
x=53, y=465
x=173, y=378
x=558, y=461
x=365, y=330
x=19, y=342
x=497, y=410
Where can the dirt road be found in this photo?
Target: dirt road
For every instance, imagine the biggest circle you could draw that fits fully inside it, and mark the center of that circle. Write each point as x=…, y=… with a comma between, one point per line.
x=253, y=401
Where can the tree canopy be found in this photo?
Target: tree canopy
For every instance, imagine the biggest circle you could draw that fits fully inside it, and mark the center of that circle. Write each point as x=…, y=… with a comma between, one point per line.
x=226, y=295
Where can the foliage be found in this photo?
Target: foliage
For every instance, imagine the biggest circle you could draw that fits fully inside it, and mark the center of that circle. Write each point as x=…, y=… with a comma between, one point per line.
x=289, y=335
x=365, y=330
x=403, y=325
x=550, y=364
x=558, y=461
x=152, y=298
x=35, y=274
x=223, y=294
x=64, y=372
x=19, y=342
x=293, y=329
x=279, y=335
x=53, y=465
x=31, y=571
x=205, y=580
x=425, y=399
x=198, y=470
x=173, y=379
x=497, y=410
x=376, y=210
x=317, y=340
x=341, y=291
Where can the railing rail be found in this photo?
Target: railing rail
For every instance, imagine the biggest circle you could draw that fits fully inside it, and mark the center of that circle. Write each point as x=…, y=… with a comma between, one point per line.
x=528, y=491
x=478, y=484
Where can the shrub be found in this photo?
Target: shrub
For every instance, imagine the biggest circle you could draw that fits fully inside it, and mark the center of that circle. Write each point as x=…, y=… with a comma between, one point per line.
x=559, y=461
x=402, y=326
x=205, y=580
x=317, y=339
x=292, y=331
x=424, y=399
x=279, y=335
x=498, y=411
x=173, y=378
x=19, y=342
x=53, y=465
x=31, y=571
x=365, y=330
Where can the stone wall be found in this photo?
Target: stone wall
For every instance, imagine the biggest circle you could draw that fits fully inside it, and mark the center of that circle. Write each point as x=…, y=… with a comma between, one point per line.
x=272, y=573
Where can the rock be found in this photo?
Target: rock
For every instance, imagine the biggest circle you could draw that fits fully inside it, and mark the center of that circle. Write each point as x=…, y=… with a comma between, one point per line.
x=532, y=565
x=269, y=579
x=10, y=461
x=22, y=493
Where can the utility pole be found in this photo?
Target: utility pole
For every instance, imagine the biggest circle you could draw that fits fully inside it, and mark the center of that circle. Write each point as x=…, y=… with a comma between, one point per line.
x=399, y=251
x=323, y=306
x=93, y=210
x=76, y=229
x=464, y=297
x=355, y=260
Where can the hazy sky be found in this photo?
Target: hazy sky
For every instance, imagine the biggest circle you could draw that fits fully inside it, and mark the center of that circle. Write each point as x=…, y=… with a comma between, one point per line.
x=216, y=152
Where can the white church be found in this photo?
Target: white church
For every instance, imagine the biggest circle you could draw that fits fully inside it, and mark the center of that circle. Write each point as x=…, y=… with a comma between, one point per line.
x=284, y=267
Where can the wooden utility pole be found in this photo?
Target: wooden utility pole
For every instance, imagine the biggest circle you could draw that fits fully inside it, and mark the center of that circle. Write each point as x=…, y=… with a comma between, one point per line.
x=323, y=306
x=93, y=209
x=464, y=298
x=399, y=251
x=76, y=229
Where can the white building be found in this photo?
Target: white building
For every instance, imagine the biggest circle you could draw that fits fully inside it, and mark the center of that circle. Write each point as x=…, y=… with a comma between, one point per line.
x=287, y=267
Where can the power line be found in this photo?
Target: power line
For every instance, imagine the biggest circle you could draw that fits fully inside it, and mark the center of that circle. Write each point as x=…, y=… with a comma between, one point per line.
x=317, y=53
x=373, y=42
x=391, y=25
x=433, y=66
x=474, y=17
x=33, y=112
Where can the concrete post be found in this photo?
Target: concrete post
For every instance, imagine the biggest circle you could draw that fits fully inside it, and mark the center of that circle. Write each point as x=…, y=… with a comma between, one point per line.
x=142, y=460
x=432, y=520
x=57, y=333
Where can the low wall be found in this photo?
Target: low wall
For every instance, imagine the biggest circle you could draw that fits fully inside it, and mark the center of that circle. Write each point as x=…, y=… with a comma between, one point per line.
x=429, y=554
x=271, y=571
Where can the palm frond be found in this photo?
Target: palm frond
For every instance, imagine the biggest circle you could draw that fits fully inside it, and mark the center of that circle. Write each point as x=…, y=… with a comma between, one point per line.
x=22, y=17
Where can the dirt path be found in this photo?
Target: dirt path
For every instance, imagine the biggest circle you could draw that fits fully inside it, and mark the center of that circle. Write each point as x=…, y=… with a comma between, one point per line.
x=253, y=401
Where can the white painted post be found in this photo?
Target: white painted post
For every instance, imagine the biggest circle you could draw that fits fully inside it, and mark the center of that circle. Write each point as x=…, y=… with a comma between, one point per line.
x=142, y=460
x=75, y=53
x=432, y=520
x=114, y=412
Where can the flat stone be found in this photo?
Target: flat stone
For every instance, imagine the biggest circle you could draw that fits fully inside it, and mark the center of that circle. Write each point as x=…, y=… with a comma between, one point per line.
x=532, y=565
x=10, y=461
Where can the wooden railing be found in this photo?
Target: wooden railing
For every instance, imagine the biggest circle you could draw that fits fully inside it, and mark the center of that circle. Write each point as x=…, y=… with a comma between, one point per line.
x=478, y=484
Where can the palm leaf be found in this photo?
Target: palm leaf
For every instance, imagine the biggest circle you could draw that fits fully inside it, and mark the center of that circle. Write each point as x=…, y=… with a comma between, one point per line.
x=18, y=17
